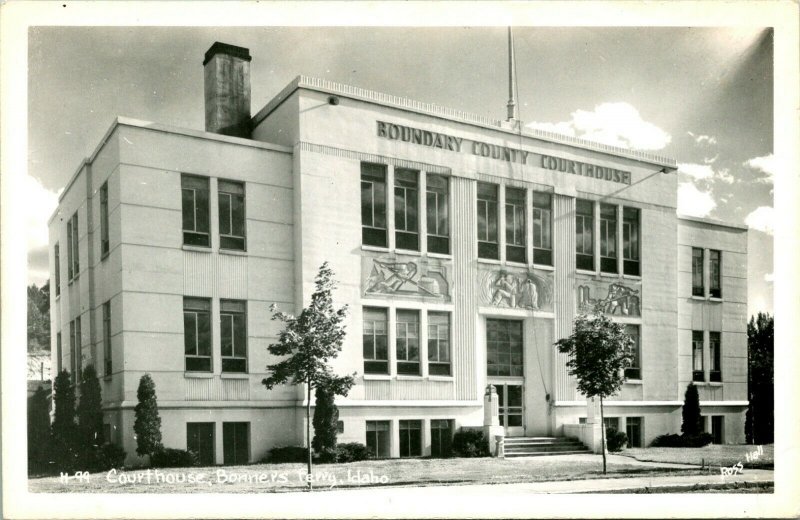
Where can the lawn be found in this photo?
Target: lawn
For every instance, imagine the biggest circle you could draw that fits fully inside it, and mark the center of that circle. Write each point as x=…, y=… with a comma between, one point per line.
x=712, y=455
x=290, y=477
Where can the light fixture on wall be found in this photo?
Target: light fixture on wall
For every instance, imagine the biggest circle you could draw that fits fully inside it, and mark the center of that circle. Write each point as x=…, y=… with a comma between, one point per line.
x=333, y=100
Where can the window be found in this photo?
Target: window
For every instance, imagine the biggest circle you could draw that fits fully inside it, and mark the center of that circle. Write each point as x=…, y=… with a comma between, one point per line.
x=107, y=338
x=487, y=221
x=194, y=193
x=634, y=371
x=698, y=289
x=611, y=422
x=233, y=335
x=542, y=229
x=104, y=219
x=438, y=344
x=231, y=215
x=410, y=438
x=515, y=225
x=717, y=428
x=376, y=353
x=633, y=429
x=406, y=209
x=339, y=427
x=373, y=205
x=378, y=438
x=236, y=442
x=107, y=439
x=503, y=347
x=438, y=214
x=630, y=241
x=441, y=437
x=200, y=440
x=697, y=356
x=714, y=348
x=59, y=361
x=715, y=273
x=197, y=334
x=407, y=342
x=73, y=266
x=584, y=234
x=75, y=350
x=608, y=238
x=57, y=256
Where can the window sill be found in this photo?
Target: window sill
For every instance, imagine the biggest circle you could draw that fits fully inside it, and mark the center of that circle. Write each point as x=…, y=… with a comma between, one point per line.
x=713, y=299
x=632, y=276
x=604, y=274
x=637, y=382
x=107, y=378
x=408, y=252
x=234, y=375
x=584, y=271
x=512, y=263
x=407, y=377
x=698, y=298
x=196, y=249
x=715, y=383
x=376, y=249
x=377, y=377
x=439, y=255
x=544, y=267
x=491, y=261
x=441, y=378
x=232, y=252
x=198, y=375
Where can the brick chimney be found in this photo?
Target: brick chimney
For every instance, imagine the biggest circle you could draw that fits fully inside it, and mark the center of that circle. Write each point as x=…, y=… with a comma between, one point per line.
x=227, y=90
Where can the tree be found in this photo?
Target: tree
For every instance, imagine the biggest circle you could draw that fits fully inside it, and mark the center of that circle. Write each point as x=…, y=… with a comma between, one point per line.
x=38, y=429
x=759, y=427
x=326, y=416
x=90, y=409
x=599, y=352
x=308, y=342
x=39, y=317
x=692, y=421
x=147, y=425
x=63, y=430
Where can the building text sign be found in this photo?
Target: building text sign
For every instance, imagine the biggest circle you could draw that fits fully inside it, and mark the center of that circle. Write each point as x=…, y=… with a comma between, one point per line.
x=430, y=139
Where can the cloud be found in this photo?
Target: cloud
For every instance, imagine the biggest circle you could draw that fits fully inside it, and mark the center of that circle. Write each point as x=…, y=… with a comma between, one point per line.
x=694, y=202
x=769, y=277
x=725, y=176
x=765, y=164
x=696, y=171
x=761, y=219
x=39, y=206
x=615, y=124
x=703, y=139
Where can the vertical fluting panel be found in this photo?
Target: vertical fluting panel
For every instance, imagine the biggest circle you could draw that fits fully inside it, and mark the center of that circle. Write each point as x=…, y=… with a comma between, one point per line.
x=564, y=288
x=464, y=288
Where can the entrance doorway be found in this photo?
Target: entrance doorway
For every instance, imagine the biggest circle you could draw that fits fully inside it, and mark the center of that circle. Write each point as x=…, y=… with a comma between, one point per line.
x=505, y=369
x=510, y=410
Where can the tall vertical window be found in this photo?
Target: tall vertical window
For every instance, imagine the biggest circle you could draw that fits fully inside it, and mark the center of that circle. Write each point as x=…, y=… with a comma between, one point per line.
x=697, y=356
x=717, y=429
x=107, y=356
x=584, y=234
x=634, y=371
x=407, y=342
x=233, y=335
x=515, y=225
x=406, y=209
x=73, y=238
x=608, y=238
x=630, y=241
x=441, y=437
x=231, y=215
x=57, y=256
x=504, y=347
x=715, y=273
x=236, y=442
x=487, y=221
x=373, y=205
x=59, y=354
x=197, y=334
x=410, y=438
x=194, y=193
x=200, y=440
x=542, y=229
x=714, y=351
x=438, y=214
x=698, y=287
x=104, y=219
x=378, y=439
x=633, y=428
x=376, y=352
x=438, y=344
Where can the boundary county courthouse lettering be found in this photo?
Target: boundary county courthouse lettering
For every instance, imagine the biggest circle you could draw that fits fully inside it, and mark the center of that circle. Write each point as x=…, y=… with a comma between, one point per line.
x=463, y=246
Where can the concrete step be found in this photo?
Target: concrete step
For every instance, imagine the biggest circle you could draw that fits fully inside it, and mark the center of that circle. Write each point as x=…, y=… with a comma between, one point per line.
x=545, y=453
x=509, y=442
x=544, y=449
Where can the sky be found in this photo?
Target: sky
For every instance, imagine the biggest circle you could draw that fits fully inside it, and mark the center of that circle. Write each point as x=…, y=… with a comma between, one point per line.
x=703, y=96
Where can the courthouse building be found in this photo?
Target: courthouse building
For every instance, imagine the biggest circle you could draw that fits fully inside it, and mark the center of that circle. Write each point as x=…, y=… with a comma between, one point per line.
x=463, y=246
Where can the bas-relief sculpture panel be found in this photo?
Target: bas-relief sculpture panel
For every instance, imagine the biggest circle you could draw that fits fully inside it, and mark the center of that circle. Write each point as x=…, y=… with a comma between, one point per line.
x=612, y=298
x=413, y=277
x=511, y=289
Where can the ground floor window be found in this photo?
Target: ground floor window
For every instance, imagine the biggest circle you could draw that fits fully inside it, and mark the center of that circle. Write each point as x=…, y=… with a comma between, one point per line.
x=611, y=422
x=378, y=439
x=441, y=437
x=717, y=427
x=633, y=429
x=200, y=439
x=410, y=438
x=236, y=442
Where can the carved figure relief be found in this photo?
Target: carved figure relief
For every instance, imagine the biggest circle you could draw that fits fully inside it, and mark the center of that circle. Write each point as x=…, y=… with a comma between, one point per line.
x=406, y=278
x=621, y=300
x=516, y=291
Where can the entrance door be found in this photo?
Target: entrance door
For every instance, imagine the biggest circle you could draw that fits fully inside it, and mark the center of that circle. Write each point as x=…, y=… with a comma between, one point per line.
x=511, y=412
